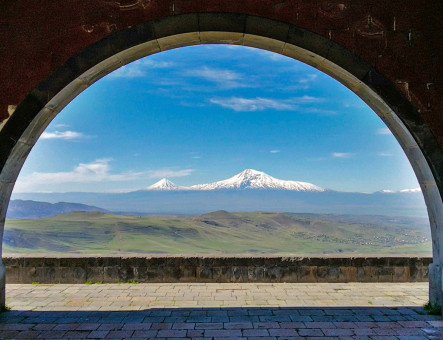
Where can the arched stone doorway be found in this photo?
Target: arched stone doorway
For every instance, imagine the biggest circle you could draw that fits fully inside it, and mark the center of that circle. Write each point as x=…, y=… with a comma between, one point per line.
x=27, y=121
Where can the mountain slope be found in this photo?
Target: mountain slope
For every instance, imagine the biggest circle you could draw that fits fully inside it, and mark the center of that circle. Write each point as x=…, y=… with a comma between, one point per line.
x=163, y=185
x=253, y=179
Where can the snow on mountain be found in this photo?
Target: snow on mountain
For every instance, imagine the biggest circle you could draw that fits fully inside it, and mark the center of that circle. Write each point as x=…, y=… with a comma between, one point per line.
x=163, y=185
x=253, y=179
x=403, y=191
x=410, y=190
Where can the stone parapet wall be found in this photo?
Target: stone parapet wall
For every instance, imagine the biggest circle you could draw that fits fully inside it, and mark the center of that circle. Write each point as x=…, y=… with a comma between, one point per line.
x=215, y=269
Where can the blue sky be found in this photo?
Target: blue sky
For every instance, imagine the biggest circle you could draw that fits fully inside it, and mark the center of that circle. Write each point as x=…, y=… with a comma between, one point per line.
x=204, y=113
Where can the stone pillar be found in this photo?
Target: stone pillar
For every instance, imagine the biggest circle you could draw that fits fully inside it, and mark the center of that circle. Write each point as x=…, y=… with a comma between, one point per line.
x=5, y=194
x=435, y=284
x=2, y=284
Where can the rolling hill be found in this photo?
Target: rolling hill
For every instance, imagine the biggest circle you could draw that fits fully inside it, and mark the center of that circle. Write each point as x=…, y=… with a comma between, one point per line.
x=219, y=233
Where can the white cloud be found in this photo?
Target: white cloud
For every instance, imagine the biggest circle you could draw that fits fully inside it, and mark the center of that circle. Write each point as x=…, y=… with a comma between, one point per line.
x=61, y=126
x=168, y=173
x=133, y=70
x=157, y=64
x=139, y=68
x=320, y=111
x=259, y=104
x=224, y=78
x=94, y=172
x=65, y=135
x=275, y=151
x=384, y=131
x=342, y=155
x=303, y=83
x=274, y=56
x=308, y=79
x=384, y=154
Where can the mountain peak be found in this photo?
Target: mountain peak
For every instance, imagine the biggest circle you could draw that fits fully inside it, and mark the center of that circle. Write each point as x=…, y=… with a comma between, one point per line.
x=253, y=179
x=163, y=184
x=251, y=172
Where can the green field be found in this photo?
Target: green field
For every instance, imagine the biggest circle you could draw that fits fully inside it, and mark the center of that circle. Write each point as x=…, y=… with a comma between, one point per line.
x=219, y=233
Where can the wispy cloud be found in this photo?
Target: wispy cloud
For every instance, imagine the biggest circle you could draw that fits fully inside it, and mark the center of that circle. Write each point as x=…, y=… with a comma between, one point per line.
x=61, y=126
x=259, y=104
x=157, y=63
x=318, y=111
x=97, y=171
x=94, y=172
x=274, y=56
x=342, y=155
x=139, y=68
x=224, y=78
x=275, y=151
x=64, y=135
x=385, y=154
x=383, y=131
x=168, y=173
x=308, y=79
x=303, y=83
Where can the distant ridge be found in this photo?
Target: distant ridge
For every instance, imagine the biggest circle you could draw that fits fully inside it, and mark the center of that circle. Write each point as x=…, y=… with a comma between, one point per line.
x=29, y=209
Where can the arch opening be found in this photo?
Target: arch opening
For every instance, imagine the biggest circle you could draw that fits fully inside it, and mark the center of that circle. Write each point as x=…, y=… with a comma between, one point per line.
x=37, y=113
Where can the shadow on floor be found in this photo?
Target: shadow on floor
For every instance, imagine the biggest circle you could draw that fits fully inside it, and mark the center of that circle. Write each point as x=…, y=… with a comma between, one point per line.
x=276, y=323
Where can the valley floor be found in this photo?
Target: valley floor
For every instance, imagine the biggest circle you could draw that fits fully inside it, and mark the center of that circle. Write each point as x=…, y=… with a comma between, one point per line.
x=220, y=233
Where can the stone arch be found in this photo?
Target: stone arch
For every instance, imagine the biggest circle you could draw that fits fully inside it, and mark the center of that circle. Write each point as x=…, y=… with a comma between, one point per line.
x=20, y=132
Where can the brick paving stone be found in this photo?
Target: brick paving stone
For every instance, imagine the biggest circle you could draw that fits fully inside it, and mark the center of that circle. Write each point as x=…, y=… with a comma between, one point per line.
x=171, y=333
x=66, y=327
x=136, y=326
x=183, y=325
x=27, y=334
x=255, y=332
x=145, y=334
x=119, y=334
x=10, y=334
x=292, y=325
x=195, y=333
x=51, y=335
x=222, y=333
x=319, y=325
x=44, y=327
x=88, y=327
x=266, y=324
x=208, y=325
x=15, y=327
x=364, y=331
x=161, y=326
x=283, y=332
x=76, y=335
x=224, y=311
x=110, y=327
x=310, y=332
x=237, y=325
x=413, y=323
x=337, y=331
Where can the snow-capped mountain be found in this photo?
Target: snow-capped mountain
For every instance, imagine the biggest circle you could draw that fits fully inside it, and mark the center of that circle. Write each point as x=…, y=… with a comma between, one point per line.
x=163, y=185
x=403, y=191
x=253, y=179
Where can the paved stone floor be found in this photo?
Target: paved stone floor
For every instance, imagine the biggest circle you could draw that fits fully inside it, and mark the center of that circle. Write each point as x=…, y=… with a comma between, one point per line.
x=185, y=310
